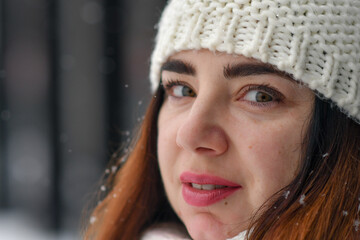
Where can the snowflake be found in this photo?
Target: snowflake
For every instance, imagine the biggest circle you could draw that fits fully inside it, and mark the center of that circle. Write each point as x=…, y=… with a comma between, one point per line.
x=357, y=224
x=92, y=219
x=286, y=194
x=302, y=198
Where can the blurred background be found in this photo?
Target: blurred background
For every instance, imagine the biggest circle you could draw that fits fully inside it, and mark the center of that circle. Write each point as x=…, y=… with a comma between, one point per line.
x=73, y=84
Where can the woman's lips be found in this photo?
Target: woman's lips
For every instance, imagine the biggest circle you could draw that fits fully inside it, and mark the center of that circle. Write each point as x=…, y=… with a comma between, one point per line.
x=202, y=190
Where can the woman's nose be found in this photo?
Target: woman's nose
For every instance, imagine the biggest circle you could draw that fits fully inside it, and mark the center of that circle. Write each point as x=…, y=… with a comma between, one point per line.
x=201, y=131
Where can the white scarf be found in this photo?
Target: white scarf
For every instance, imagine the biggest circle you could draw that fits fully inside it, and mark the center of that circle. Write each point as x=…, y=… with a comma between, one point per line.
x=165, y=232
x=240, y=236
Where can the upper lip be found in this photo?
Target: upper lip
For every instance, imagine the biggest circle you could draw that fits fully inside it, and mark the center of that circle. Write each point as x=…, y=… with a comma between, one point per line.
x=188, y=177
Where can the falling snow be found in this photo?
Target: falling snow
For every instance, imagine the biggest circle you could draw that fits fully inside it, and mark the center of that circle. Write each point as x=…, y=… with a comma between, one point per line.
x=325, y=155
x=103, y=188
x=345, y=213
x=126, y=85
x=357, y=224
x=92, y=219
x=114, y=195
x=107, y=171
x=286, y=194
x=302, y=199
x=140, y=102
x=113, y=169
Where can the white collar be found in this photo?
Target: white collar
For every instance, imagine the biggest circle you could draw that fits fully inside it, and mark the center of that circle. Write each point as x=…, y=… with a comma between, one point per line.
x=167, y=232
x=240, y=236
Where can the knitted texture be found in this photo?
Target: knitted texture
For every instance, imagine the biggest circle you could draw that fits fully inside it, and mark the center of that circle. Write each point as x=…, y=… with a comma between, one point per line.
x=316, y=41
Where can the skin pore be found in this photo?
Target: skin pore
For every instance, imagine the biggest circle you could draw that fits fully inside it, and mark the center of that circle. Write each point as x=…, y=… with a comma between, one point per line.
x=231, y=117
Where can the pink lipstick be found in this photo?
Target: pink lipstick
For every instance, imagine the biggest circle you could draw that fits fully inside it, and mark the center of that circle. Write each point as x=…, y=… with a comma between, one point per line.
x=202, y=190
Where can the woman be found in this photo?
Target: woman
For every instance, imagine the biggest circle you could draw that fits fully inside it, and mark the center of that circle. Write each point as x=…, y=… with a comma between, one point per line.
x=253, y=131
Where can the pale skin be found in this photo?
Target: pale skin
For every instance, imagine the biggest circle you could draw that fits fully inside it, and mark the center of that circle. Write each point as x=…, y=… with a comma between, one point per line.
x=246, y=126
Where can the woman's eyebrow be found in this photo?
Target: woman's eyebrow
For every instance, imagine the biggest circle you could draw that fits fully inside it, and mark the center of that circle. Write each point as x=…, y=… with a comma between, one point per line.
x=230, y=71
x=248, y=69
x=179, y=66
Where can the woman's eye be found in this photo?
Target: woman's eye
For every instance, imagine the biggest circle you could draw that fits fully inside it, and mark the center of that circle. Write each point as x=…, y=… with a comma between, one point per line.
x=182, y=91
x=258, y=96
x=178, y=89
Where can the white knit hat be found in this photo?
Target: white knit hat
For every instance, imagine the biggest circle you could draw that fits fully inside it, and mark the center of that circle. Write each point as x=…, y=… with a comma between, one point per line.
x=316, y=41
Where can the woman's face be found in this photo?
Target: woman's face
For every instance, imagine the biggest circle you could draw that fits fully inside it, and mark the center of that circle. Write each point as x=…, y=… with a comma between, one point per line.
x=230, y=134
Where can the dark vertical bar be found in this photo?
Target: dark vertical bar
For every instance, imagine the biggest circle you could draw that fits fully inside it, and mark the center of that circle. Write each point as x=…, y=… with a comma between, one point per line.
x=54, y=112
x=4, y=114
x=112, y=41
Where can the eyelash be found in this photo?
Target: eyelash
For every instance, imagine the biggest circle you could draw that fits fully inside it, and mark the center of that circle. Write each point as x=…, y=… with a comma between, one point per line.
x=266, y=88
x=171, y=83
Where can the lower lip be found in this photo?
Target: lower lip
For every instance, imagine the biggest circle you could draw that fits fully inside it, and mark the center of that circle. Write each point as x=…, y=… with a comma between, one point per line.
x=203, y=198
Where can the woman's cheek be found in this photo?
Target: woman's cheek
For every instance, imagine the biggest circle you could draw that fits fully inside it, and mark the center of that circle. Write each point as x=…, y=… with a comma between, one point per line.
x=275, y=156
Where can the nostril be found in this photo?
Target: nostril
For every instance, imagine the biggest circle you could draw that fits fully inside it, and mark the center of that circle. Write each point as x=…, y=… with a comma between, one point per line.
x=207, y=151
x=202, y=137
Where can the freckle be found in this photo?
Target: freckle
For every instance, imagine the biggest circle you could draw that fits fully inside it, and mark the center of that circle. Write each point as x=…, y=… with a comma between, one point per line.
x=226, y=203
x=250, y=147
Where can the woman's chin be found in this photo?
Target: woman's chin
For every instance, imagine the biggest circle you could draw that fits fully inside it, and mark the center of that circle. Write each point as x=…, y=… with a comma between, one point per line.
x=205, y=226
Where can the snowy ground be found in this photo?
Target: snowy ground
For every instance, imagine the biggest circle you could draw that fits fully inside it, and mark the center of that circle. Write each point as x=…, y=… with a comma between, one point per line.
x=15, y=226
